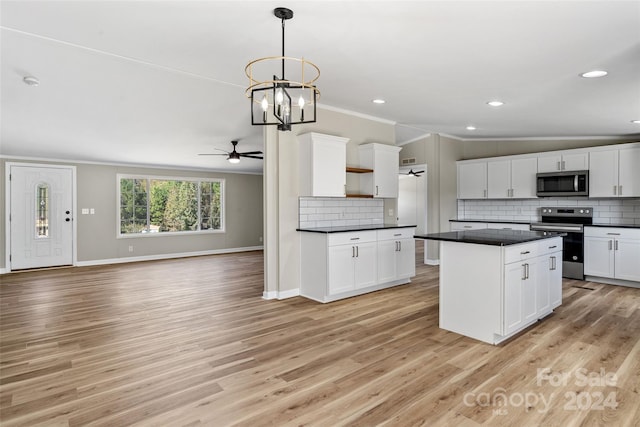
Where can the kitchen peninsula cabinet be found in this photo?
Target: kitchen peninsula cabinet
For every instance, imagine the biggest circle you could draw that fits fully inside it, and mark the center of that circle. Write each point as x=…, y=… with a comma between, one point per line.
x=342, y=262
x=323, y=160
x=509, y=280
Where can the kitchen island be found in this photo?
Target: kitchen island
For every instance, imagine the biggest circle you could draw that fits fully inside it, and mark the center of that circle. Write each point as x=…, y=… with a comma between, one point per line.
x=495, y=283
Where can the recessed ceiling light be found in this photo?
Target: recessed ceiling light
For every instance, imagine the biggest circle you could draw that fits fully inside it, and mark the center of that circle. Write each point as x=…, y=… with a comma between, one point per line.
x=636, y=122
x=471, y=127
x=379, y=101
x=495, y=103
x=594, y=74
x=31, y=81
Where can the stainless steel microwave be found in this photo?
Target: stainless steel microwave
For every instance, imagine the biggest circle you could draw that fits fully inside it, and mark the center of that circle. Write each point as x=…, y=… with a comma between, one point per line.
x=566, y=183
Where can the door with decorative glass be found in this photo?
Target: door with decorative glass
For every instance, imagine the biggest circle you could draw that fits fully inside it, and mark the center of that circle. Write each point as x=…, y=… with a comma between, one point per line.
x=41, y=216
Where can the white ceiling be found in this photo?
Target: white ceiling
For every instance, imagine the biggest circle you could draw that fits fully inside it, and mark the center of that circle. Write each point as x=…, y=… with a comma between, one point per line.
x=157, y=82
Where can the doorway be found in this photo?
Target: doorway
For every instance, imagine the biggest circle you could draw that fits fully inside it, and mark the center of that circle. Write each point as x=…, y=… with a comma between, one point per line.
x=412, y=199
x=41, y=203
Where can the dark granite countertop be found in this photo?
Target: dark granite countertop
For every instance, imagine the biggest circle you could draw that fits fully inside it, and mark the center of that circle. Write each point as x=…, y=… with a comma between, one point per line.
x=488, y=236
x=347, y=228
x=501, y=221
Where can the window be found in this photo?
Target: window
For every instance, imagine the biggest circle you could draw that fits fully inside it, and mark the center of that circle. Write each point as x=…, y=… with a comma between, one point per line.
x=42, y=208
x=170, y=205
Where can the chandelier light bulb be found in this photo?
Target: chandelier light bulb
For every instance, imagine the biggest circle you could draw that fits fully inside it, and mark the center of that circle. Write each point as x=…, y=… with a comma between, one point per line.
x=264, y=103
x=301, y=102
x=279, y=96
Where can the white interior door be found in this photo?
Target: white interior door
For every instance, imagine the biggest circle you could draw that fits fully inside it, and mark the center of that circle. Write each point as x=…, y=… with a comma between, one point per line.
x=407, y=200
x=41, y=216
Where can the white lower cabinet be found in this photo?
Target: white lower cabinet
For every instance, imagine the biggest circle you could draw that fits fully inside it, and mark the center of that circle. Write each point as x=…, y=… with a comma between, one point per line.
x=612, y=253
x=525, y=286
x=341, y=265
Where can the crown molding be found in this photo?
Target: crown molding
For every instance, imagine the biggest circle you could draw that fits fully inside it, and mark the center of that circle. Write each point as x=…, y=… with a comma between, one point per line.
x=356, y=114
x=547, y=138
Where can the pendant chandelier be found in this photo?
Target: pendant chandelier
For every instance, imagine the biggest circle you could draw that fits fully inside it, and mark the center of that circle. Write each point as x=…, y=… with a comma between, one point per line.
x=291, y=100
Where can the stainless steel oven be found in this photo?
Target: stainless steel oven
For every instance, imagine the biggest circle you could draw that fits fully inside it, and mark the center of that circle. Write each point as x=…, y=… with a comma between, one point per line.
x=570, y=221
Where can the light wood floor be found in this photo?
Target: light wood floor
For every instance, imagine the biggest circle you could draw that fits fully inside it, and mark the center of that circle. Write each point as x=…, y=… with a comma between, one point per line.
x=190, y=342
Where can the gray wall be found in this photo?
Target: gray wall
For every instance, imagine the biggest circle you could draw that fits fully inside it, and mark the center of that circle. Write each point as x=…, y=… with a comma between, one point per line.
x=97, y=234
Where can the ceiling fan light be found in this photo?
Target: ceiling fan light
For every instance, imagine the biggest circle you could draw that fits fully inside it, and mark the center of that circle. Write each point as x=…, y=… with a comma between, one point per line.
x=233, y=160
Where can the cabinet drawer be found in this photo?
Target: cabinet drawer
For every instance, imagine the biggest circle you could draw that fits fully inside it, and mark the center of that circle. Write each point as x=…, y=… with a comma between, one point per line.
x=548, y=246
x=461, y=226
x=612, y=232
x=396, y=233
x=520, y=252
x=351, y=237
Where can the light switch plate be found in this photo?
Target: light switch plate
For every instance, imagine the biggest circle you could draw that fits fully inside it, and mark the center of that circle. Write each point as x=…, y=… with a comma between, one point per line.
x=85, y=211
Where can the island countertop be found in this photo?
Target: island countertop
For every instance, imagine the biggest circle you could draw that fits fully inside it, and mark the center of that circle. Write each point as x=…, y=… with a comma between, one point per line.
x=491, y=237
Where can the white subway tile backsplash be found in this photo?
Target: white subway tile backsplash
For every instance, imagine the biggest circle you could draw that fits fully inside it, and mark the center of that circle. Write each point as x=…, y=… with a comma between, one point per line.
x=330, y=212
x=606, y=211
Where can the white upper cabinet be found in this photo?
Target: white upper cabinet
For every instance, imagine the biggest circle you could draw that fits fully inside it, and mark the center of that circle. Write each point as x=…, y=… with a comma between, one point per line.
x=384, y=160
x=614, y=173
x=472, y=180
x=512, y=178
x=323, y=160
x=567, y=161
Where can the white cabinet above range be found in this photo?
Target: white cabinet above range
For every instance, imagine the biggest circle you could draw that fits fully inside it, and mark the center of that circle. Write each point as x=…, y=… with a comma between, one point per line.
x=565, y=161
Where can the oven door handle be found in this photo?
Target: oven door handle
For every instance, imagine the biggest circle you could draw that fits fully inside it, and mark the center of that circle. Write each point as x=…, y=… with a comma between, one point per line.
x=576, y=229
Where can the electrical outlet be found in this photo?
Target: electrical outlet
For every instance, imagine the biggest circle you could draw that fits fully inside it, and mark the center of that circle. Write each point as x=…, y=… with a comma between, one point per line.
x=92, y=211
x=130, y=248
x=390, y=212
x=85, y=211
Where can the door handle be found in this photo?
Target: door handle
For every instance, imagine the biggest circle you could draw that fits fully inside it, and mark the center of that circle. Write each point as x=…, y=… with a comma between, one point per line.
x=67, y=219
x=615, y=245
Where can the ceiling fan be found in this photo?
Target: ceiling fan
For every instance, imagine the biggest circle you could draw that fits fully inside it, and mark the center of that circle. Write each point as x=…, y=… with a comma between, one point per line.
x=416, y=173
x=234, y=156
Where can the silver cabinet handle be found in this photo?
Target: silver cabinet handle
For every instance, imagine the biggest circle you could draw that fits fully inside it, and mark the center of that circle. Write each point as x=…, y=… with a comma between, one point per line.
x=376, y=190
x=610, y=244
x=484, y=193
x=615, y=188
x=357, y=252
x=527, y=270
x=467, y=226
x=613, y=234
x=563, y=165
x=353, y=251
x=400, y=246
x=524, y=271
x=524, y=253
x=619, y=190
x=615, y=245
x=397, y=234
x=355, y=238
x=344, y=191
x=396, y=246
x=558, y=167
x=552, y=247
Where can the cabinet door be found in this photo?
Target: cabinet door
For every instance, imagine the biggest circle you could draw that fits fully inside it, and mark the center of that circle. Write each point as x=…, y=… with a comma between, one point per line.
x=603, y=173
x=629, y=173
x=406, y=259
x=329, y=164
x=575, y=162
x=387, y=260
x=499, y=179
x=385, y=174
x=598, y=256
x=513, y=294
x=365, y=265
x=530, y=290
x=627, y=259
x=555, y=279
x=472, y=180
x=543, y=284
x=523, y=178
x=550, y=163
x=341, y=262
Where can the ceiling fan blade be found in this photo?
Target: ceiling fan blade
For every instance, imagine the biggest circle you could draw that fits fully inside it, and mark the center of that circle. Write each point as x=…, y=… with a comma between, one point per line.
x=419, y=172
x=250, y=156
x=212, y=154
x=252, y=152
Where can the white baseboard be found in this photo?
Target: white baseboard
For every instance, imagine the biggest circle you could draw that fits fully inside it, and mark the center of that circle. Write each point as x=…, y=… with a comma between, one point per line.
x=3, y=271
x=165, y=256
x=609, y=281
x=280, y=295
x=432, y=262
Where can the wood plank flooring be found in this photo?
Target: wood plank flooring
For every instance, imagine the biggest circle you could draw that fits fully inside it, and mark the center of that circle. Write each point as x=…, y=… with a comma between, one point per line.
x=190, y=342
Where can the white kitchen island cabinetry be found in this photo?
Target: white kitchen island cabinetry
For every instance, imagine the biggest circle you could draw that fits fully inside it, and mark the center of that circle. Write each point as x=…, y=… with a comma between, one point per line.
x=495, y=283
x=341, y=264
x=323, y=160
x=612, y=253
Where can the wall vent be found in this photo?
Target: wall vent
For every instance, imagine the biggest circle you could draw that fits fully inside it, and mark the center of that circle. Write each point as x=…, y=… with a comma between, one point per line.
x=410, y=161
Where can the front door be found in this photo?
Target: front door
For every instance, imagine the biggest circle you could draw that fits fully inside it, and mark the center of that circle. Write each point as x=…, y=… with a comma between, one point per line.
x=41, y=216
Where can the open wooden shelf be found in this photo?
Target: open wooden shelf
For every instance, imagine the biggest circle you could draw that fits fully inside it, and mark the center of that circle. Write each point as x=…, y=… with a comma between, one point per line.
x=361, y=196
x=351, y=169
